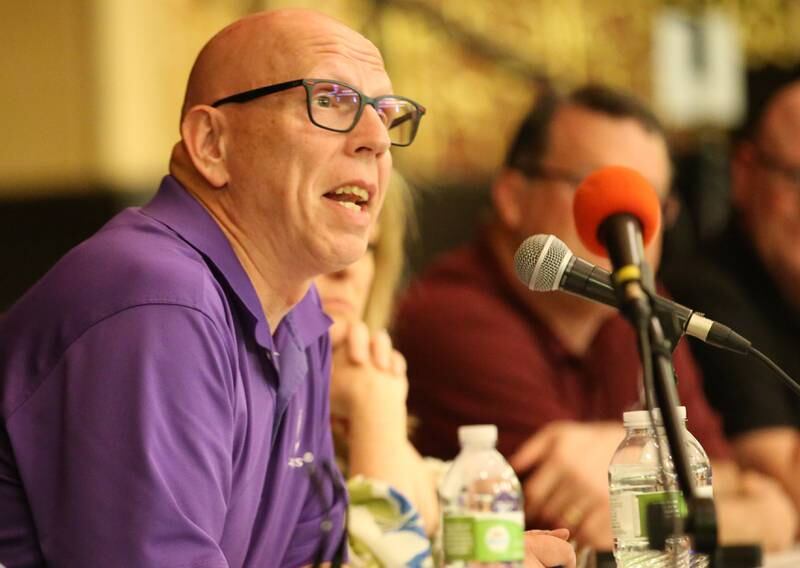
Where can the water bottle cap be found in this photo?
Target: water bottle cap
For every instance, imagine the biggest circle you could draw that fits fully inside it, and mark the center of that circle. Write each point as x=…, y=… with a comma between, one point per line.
x=641, y=418
x=478, y=435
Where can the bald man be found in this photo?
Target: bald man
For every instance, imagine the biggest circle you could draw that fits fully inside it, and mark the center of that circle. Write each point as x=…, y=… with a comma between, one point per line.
x=164, y=395
x=749, y=278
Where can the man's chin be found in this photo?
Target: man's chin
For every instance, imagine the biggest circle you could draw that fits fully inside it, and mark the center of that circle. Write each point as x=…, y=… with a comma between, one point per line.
x=352, y=250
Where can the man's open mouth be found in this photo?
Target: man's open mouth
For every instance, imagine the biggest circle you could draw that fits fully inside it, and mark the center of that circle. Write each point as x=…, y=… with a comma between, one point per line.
x=350, y=197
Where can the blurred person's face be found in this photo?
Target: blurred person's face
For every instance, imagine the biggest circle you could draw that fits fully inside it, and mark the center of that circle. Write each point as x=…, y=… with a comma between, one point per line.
x=310, y=196
x=766, y=178
x=344, y=293
x=581, y=141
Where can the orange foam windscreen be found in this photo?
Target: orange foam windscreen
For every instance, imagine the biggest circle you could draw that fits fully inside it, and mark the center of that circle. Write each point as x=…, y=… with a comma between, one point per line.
x=609, y=191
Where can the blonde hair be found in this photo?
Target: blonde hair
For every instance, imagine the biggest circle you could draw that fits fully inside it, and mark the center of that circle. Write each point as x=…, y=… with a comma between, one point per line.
x=389, y=251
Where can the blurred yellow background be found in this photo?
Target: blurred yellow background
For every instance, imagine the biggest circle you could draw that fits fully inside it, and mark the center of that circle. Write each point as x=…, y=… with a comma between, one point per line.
x=91, y=89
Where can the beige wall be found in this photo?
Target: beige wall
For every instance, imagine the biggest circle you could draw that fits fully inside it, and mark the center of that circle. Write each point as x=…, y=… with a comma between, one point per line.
x=91, y=89
x=45, y=93
x=144, y=53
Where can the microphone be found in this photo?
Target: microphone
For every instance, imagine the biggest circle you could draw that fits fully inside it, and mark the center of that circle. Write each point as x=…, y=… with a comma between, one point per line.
x=544, y=263
x=616, y=214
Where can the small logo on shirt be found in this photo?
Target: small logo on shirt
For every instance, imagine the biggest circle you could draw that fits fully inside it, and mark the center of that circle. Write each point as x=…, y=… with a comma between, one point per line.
x=307, y=457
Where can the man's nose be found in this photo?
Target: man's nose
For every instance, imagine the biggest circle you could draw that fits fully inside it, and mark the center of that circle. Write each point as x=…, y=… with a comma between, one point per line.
x=370, y=135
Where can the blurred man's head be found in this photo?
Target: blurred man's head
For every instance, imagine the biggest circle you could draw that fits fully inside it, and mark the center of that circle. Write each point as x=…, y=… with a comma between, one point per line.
x=766, y=186
x=294, y=177
x=564, y=139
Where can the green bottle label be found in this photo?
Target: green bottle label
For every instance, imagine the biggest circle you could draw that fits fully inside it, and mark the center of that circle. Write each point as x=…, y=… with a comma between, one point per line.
x=674, y=503
x=629, y=511
x=484, y=537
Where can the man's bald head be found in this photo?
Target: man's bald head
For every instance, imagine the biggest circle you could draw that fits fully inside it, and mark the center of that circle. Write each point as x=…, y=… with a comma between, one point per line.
x=263, y=168
x=265, y=48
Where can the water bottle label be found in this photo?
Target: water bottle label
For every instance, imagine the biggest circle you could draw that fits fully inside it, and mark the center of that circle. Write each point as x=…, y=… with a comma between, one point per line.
x=629, y=511
x=484, y=537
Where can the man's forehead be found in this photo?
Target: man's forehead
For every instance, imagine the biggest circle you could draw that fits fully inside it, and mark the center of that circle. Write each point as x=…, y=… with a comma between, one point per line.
x=285, y=45
x=587, y=140
x=303, y=35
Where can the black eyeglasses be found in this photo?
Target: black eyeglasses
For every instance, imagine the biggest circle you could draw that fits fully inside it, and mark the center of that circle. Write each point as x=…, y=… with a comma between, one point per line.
x=561, y=175
x=553, y=173
x=319, y=476
x=337, y=106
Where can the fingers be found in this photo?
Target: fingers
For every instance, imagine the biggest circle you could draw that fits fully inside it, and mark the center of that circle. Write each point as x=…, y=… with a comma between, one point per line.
x=399, y=366
x=566, y=507
x=594, y=529
x=338, y=332
x=381, y=349
x=570, y=501
x=358, y=343
x=539, y=486
x=547, y=550
x=375, y=349
x=532, y=451
x=562, y=533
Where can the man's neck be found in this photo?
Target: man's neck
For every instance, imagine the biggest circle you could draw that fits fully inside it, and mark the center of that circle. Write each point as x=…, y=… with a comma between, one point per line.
x=277, y=291
x=574, y=321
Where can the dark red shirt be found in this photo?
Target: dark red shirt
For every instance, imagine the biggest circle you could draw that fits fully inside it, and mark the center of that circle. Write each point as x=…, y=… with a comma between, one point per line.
x=477, y=354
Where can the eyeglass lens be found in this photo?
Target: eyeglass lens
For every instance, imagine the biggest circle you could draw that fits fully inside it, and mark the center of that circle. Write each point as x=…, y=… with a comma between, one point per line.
x=337, y=107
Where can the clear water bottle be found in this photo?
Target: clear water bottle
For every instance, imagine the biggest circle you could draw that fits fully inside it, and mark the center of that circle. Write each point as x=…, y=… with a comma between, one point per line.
x=481, y=499
x=635, y=480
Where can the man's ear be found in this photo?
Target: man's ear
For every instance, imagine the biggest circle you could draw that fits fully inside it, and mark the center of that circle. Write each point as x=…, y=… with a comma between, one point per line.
x=204, y=130
x=507, y=195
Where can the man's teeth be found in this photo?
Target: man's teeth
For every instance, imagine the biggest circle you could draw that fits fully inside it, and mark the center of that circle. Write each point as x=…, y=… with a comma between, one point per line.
x=360, y=193
x=349, y=205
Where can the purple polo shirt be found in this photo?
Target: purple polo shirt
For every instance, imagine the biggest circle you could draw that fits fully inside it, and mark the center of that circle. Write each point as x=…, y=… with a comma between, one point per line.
x=149, y=416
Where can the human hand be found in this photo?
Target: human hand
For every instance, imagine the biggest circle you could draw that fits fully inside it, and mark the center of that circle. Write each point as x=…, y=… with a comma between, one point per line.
x=548, y=548
x=368, y=374
x=756, y=511
x=569, y=484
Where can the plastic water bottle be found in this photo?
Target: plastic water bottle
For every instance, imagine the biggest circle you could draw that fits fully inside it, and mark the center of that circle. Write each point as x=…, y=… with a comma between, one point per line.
x=635, y=480
x=481, y=498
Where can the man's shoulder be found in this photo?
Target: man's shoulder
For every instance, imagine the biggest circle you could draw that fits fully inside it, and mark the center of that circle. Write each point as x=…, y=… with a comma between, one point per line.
x=461, y=272
x=462, y=283
x=132, y=261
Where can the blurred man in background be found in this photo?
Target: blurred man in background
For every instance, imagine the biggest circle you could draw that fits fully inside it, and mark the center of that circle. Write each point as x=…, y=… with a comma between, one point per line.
x=556, y=372
x=749, y=278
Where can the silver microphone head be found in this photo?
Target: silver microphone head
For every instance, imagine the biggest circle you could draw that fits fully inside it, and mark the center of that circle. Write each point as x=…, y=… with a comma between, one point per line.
x=540, y=262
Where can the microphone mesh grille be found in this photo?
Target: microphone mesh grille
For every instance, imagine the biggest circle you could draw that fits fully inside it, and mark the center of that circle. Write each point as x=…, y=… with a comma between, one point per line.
x=541, y=273
x=527, y=255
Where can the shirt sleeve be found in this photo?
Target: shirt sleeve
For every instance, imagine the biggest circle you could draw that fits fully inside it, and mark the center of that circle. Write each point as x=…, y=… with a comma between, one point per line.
x=128, y=443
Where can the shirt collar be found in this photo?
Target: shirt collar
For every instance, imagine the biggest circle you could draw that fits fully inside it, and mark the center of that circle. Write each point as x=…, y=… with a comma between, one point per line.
x=177, y=209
